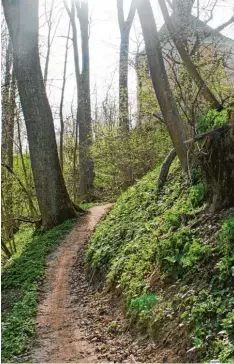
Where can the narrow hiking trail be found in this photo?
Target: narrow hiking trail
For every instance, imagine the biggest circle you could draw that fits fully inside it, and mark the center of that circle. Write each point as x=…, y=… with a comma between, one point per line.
x=78, y=324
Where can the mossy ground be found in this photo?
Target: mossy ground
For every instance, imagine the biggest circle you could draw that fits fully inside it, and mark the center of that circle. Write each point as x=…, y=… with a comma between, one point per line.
x=21, y=276
x=165, y=246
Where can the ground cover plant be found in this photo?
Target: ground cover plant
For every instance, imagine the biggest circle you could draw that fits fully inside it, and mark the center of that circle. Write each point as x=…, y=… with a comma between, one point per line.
x=21, y=276
x=166, y=246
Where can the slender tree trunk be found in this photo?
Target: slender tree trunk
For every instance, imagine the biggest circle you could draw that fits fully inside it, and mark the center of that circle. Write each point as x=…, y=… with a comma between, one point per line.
x=191, y=68
x=124, y=27
x=5, y=249
x=8, y=110
x=160, y=80
x=71, y=14
x=123, y=82
x=62, y=99
x=83, y=98
x=54, y=203
x=84, y=108
x=8, y=118
x=48, y=45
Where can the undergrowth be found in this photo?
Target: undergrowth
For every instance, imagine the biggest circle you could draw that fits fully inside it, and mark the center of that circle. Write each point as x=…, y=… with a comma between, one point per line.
x=20, y=278
x=153, y=245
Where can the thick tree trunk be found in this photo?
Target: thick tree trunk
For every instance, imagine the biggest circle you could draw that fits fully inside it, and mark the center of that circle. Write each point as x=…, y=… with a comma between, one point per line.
x=217, y=161
x=160, y=80
x=54, y=203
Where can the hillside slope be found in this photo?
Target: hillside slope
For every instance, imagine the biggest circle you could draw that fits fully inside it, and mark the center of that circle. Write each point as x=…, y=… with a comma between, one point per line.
x=172, y=264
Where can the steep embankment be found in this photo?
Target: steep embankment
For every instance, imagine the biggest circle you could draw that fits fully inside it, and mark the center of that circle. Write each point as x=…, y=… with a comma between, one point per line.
x=171, y=263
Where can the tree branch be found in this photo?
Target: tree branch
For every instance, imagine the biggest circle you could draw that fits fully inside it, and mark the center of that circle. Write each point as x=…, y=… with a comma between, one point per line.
x=131, y=13
x=207, y=94
x=224, y=25
x=21, y=184
x=24, y=219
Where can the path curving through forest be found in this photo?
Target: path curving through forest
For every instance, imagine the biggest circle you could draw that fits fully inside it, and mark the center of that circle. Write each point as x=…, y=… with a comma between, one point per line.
x=74, y=318
x=59, y=338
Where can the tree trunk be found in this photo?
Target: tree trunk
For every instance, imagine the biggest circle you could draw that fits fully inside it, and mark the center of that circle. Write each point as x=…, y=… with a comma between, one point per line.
x=217, y=161
x=54, y=203
x=160, y=81
x=191, y=68
x=83, y=97
x=62, y=99
x=124, y=27
x=8, y=110
x=123, y=82
x=8, y=118
x=49, y=23
x=84, y=107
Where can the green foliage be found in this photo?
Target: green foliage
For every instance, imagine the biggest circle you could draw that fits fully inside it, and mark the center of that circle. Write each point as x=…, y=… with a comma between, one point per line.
x=148, y=232
x=86, y=206
x=211, y=310
x=124, y=246
x=226, y=263
x=197, y=194
x=143, y=303
x=22, y=274
x=179, y=253
x=211, y=120
x=121, y=161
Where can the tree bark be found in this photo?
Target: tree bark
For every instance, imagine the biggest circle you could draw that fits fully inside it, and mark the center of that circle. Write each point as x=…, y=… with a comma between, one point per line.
x=8, y=118
x=191, y=68
x=62, y=99
x=217, y=162
x=165, y=169
x=83, y=98
x=71, y=14
x=49, y=23
x=124, y=27
x=54, y=203
x=160, y=81
x=8, y=110
x=84, y=107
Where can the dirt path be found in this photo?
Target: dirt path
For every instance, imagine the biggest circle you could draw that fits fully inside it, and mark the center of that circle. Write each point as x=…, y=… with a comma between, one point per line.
x=78, y=323
x=59, y=338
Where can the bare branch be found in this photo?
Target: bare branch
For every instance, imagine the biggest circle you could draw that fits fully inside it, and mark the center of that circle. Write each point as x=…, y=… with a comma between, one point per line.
x=120, y=13
x=131, y=14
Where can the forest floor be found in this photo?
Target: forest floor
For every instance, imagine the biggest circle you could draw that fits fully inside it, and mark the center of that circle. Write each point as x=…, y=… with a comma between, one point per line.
x=79, y=324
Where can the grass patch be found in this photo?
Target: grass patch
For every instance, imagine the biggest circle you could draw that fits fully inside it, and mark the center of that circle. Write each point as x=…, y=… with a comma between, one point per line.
x=87, y=205
x=152, y=245
x=20, y=278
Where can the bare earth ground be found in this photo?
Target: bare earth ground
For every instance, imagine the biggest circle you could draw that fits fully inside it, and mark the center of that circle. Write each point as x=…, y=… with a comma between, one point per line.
x=78, y=324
